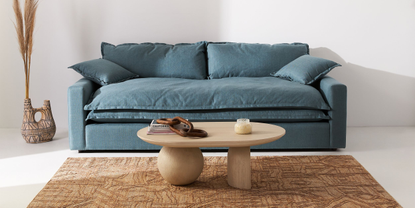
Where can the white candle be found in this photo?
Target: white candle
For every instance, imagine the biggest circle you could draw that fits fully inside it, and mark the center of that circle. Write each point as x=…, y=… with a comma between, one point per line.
x=243, y=126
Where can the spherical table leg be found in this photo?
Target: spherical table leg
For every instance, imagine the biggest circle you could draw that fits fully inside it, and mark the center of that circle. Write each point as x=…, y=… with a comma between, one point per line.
x=180, y=166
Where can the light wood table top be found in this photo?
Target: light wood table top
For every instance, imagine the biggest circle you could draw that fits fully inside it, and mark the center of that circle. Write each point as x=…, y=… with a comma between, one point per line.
x=220, y=134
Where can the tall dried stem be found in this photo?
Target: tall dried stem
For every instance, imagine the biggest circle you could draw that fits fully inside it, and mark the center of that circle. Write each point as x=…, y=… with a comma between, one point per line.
x=25, y=25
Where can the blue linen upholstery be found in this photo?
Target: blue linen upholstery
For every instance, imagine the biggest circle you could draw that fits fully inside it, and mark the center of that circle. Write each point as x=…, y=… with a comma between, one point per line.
x=173, y=81
x=250, y=60
x=306, y=69
x=118, y=136
x=226, y=93
x=103, y=72
x=78, y=95
x=302, y=135
x=335, y=93
x=123, y=136
x=182, y=60
x=261, y=115
x=329, y=134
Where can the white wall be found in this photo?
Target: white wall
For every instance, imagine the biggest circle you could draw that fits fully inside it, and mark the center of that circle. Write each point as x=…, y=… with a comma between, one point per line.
x=372, y=39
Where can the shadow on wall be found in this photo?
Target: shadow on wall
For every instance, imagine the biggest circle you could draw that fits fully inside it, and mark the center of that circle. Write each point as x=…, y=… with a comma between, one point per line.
x=85, y=23
x=375, y=97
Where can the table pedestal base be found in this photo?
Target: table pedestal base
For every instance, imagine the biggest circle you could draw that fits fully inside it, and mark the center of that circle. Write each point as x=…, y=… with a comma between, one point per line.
x=239, y=167
x=180, y=166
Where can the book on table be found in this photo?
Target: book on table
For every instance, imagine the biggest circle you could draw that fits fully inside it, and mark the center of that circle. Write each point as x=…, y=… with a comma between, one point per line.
x=156, y=128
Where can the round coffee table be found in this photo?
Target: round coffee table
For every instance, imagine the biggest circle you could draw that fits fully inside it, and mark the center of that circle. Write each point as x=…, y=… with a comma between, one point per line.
x=180, y=161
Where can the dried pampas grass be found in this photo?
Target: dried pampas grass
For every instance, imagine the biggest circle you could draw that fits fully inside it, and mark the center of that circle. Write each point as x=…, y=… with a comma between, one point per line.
x=25, y=25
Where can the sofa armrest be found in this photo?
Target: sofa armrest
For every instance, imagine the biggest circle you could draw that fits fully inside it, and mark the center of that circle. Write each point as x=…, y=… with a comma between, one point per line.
x=78, y=95
x=335, y=94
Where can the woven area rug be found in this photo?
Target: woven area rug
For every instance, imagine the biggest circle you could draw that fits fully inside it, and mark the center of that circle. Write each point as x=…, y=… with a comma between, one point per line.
x=277, y=181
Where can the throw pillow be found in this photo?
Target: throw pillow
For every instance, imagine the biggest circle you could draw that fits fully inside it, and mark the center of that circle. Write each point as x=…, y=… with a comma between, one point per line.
x=102, y=71
x=306, y=69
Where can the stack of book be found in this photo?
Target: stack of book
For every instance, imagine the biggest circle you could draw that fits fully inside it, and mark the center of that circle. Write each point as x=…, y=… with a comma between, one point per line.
x=156, y=128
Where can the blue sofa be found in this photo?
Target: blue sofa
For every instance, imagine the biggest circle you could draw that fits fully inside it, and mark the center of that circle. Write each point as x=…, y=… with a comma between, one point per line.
x=133, y=84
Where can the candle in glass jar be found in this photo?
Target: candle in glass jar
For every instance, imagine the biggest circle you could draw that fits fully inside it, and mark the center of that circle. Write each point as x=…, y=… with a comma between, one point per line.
x=243, y=126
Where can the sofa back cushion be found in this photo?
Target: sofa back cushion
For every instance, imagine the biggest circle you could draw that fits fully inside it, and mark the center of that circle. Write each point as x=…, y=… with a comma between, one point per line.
x=184, y=60
x=250, y=60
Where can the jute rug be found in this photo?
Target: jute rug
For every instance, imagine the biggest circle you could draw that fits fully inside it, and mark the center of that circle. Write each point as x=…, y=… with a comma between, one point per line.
x=277, y=181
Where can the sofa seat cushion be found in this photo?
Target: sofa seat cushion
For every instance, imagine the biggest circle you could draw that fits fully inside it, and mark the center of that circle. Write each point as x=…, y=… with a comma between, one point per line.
x=261, y=115
x=190, y=94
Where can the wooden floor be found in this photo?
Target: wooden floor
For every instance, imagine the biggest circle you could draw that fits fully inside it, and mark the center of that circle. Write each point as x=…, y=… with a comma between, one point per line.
x=388, y=153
